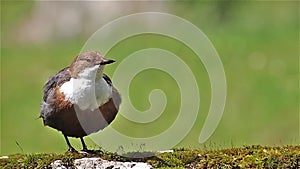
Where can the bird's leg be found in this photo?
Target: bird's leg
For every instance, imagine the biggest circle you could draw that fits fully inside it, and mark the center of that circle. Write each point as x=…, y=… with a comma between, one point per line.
x=84, y=148
x=71, y=149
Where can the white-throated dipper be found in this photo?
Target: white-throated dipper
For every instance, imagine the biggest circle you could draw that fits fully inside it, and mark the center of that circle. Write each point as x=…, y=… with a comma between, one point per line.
x=80, y=99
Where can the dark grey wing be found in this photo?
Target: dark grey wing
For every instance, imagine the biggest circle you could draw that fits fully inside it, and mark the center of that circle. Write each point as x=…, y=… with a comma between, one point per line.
x=49, y=90
x=56, y=80
x=115, y=94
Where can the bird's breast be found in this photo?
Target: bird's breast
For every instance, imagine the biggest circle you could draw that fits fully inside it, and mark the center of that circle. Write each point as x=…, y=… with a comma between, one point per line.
x=87, y=94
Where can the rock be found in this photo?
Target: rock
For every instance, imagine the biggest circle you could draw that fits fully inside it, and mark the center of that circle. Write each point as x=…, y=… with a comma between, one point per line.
x=98, y=163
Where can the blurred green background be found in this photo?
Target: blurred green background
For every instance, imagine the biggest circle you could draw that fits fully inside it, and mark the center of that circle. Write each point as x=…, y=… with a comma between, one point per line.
x=258, y=43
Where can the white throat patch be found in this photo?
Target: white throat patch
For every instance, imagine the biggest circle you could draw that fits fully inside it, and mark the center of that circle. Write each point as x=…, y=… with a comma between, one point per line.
x=87, y=91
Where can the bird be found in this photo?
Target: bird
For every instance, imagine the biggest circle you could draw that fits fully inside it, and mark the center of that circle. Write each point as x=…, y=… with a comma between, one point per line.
x=80, y=99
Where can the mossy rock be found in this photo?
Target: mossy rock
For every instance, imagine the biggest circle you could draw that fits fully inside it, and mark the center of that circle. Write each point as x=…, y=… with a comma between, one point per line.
x=245, y=157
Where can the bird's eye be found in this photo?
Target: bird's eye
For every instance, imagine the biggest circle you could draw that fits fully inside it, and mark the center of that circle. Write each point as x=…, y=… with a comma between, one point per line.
x=88, y=60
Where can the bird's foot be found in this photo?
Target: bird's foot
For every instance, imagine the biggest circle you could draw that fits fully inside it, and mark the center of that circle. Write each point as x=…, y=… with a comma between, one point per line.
x=72, y=150
x=87, y=151
x=84, y=151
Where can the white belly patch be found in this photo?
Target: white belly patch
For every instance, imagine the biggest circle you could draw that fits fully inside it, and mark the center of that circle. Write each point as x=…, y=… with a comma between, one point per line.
x=87, y=94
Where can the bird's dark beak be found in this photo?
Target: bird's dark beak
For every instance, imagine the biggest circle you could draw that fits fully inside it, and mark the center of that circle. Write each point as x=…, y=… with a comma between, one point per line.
x=107, y=61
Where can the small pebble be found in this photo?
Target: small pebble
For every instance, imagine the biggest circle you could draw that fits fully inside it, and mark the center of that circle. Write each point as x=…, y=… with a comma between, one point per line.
x=4, y=157
x=57, y=164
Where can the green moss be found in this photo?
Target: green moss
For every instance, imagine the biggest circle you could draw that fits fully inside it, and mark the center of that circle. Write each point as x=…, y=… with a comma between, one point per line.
x=245, y=157
x=37, y=160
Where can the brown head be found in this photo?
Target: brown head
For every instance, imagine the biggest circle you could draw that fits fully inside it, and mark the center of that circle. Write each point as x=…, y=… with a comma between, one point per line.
x=91, y=61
